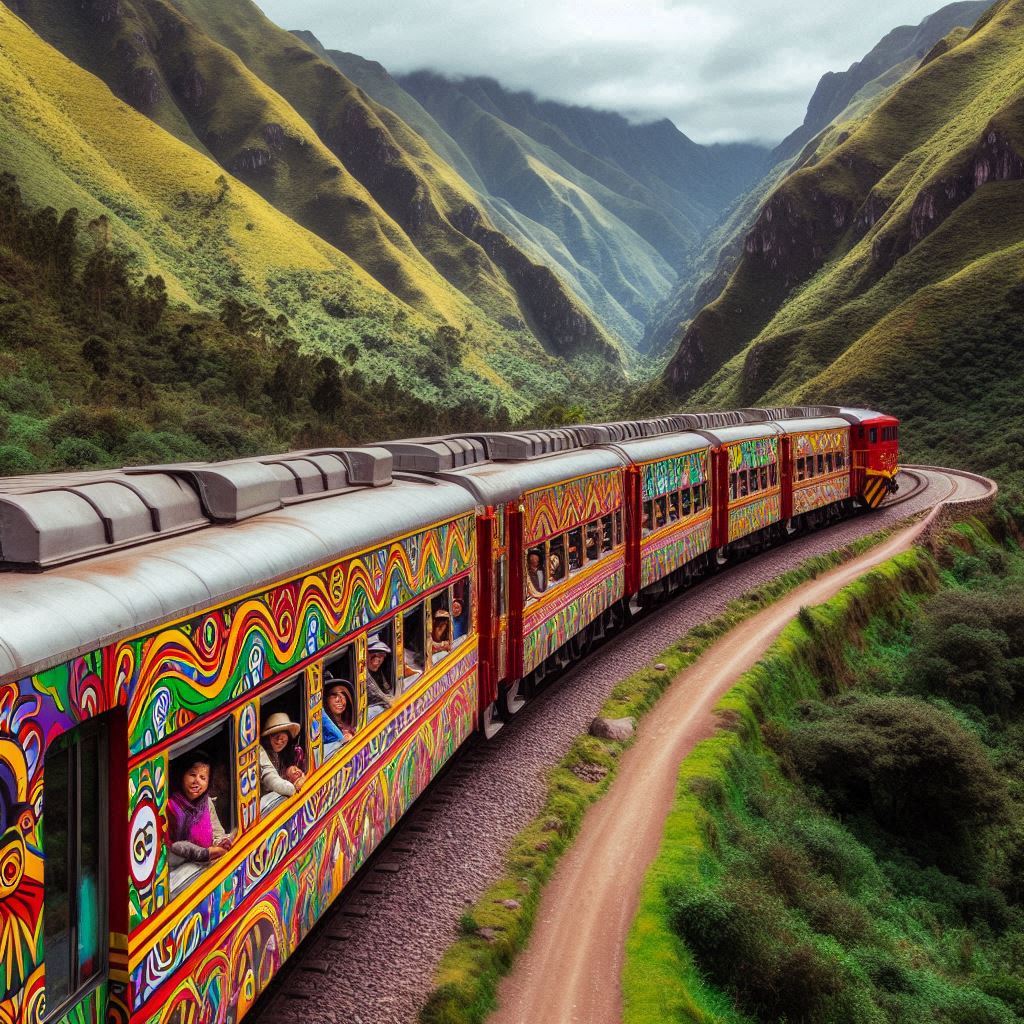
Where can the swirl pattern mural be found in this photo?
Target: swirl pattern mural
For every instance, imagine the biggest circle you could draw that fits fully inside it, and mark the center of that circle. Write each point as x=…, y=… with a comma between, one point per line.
x=551, y=623
x=552, y=510
x=758, y=451
x=813, y=441
x=820, y=492
x=669, y=475
x=187, y=670
x=227, y=942
x=754, y=515
x=663, y=555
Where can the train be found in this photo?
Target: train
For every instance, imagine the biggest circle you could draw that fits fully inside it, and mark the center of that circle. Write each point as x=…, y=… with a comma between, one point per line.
x=152, y=612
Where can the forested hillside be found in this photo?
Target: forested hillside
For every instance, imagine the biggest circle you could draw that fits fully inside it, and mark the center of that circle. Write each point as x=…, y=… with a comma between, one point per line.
x=839, y=97
x=887, y=268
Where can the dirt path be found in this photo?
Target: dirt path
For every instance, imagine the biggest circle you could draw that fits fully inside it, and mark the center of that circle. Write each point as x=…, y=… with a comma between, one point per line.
x=570, y=972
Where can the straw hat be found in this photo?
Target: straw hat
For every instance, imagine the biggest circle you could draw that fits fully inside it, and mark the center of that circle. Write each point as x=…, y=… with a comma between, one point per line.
x=280, y=722
x=377, y=646
x=442, y=613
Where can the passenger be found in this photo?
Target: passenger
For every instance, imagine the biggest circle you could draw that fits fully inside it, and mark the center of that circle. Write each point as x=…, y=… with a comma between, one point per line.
x=440, y=642
x=574, y=556
x=459, y=625
x=194, y=831
x=593, y=545
x=535, y=571
x=379, y=689
x=339, y=706
x=281, y=758
x=554, y=566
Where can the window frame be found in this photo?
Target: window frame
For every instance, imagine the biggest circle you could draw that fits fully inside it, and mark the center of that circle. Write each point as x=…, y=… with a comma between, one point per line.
x=71, y=740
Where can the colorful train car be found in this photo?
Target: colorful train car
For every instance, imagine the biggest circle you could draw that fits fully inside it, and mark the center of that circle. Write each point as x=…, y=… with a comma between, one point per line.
x=192, y=641
x=369, y=608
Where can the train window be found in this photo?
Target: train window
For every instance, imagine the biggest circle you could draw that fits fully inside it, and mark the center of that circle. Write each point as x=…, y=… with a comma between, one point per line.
x=499, y=583
x=754, y=485
x=686, y=501
x=673, y=507
x=821, y=464
x=574, y=548
x=873, y=437
x=829, y=465
x=380, y=670
x=200, y=804
x=592, y=546
x=744, y=488
x=536, y=574
x=618, y=527
x=283, y=760
x=698, y=496
x=556, y=559
x=340, y=716
x=648, y=518
x=460, y=610
x=773, y=474
x=800, y=468
x=840, y=460
x=414, y=644
x=660, y=511
x=764, y=478
x=74, y=845
x=439, y=635
x=607, y=533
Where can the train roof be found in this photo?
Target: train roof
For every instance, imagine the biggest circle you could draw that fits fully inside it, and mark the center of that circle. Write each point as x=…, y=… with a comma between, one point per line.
x=664, y=446
x=801, y=426
x=49, y=617
x=746, y=432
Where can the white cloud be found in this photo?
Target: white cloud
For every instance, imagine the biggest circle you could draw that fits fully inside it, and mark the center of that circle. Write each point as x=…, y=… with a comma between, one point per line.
x=720, y=69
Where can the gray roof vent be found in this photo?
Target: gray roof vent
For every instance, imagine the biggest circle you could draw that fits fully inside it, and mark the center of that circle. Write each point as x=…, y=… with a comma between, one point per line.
x=52, y=519
x=531, y=444
x=436, y=454
x=797, y=412
x=716, y=420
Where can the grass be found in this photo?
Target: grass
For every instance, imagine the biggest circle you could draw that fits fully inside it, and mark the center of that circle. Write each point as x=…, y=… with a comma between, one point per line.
x=467, y=977
x=834, y=917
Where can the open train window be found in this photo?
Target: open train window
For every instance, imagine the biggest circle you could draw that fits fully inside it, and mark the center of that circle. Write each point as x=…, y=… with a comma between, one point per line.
x=75, y=847
x=821, y=464
x=698, y=498
x=773, y=474
x=829, y=466
x=686, y=501
x=200, y=803
x=414, y=643
x=733, y=486
x=556, y=559
x=340, y=710
x=648, y=518
x=754, y=485
x=873, y=436
x=607, y=533
x=764, y=478
x=673, y=507
x=574, y=549
x=439, y=628
x=800, y=468
x=592, y=541
x=840, y=460
x=660, y=511
x=282, y=738
x=744, y=489
x=380, y=669
x=460, y=610
x=536, y=573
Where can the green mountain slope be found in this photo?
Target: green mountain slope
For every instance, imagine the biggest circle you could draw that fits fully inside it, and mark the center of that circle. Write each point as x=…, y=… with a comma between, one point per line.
x=840, y=97
x=616, y=208
x=888, y=269
x=227, y=81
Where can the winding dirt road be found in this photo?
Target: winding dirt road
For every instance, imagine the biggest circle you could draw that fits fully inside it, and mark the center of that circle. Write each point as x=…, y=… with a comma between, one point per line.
x=570, y=972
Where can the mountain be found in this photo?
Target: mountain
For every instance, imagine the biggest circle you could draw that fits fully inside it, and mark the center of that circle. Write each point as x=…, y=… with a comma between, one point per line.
x=228, y=82
x=908, y=43
x=617, y=208
x=887, y=267
x=839, y=97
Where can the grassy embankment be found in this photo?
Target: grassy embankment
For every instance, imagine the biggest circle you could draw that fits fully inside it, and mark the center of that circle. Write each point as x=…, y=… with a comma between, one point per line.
x=468, y=975
x=850, y=849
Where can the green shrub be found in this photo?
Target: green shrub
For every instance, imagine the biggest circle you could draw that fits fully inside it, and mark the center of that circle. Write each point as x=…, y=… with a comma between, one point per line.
x=78, y=453
x=15, y=461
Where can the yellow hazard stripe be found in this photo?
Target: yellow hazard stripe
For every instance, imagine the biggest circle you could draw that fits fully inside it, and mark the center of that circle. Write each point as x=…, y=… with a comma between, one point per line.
x=875, y=490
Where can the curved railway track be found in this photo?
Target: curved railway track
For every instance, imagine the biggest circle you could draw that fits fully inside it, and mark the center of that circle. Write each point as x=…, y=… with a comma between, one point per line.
x=372, y=957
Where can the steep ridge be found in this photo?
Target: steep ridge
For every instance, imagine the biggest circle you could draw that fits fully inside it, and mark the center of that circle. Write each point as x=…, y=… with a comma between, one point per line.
x=616, y=207
x=839, y=97
x=227, y=81
x=890, y=261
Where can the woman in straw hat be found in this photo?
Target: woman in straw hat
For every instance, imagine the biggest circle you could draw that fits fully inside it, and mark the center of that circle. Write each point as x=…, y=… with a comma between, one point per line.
x=440, y=642
x=338, y=711
x=281, y=759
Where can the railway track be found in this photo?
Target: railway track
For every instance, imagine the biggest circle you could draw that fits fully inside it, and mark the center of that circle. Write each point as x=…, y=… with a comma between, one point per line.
x=371, y=958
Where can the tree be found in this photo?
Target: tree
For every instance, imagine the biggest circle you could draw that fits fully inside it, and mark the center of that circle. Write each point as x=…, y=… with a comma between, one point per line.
x=151, y=303
x=329, y=392
x=96, y=352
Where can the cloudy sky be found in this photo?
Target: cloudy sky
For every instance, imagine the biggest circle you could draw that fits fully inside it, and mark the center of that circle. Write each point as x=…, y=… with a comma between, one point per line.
x=720, y=69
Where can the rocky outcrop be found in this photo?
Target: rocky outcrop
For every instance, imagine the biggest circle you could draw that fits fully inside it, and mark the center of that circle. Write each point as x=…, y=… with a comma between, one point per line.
x=994, y=158
x=142, y=89
x=192, y=88
x=252, y=158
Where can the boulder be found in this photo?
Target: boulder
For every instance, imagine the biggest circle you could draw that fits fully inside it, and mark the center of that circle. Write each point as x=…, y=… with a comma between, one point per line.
x=619, y=729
